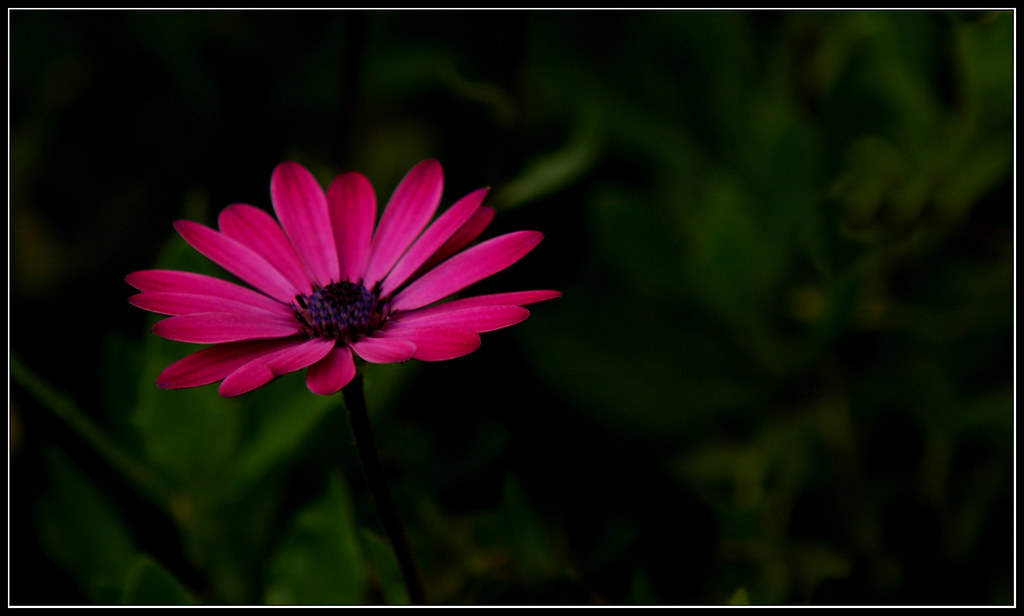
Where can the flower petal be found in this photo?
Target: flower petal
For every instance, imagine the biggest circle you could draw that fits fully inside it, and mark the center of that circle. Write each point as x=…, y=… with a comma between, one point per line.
x=514, y=298
x=478, y=319
x=331, y=373
x=410, y=208
x=462, y=238
x=215, y=327
x=191, y=303
x=436, y=235
x=466, y=268
x=171, y=281
x=258, y=230
x=383, y=350
x=214, y=363
x=352, y=206
x=262, y=370
x=238, y=259
x=301, y=206
x=435, y=343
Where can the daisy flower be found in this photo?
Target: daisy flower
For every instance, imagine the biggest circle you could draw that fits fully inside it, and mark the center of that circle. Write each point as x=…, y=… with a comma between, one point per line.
x=328, y=285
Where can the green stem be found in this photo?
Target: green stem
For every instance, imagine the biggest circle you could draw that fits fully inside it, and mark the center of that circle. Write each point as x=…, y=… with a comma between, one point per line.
x=355, y=402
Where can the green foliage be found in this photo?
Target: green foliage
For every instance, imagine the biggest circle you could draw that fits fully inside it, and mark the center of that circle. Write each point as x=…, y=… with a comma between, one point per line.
x=319, y=562
x=150, y=584
x=83, y=532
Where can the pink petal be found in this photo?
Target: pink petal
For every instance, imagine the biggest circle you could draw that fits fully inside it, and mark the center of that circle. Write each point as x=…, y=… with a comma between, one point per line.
x=301, y=207
x=470, y=266
x=214, y=327
x=514, y=298
x=411, y=207
x=191, y=303
x=383, y=350
x=238, y=259
x=352, y=205
x=463, y=237
x=439, y=232
x=435, y=343
x=258, y=230
x=331, y=373
x=262, y=370
x=214, y=363
x=477, y=319
x=171, y=281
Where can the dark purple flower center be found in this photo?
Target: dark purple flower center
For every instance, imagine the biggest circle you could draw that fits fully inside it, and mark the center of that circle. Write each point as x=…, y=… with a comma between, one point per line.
x=341, y=310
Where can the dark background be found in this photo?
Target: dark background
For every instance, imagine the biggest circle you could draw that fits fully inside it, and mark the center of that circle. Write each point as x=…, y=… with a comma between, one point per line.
x=781, y=370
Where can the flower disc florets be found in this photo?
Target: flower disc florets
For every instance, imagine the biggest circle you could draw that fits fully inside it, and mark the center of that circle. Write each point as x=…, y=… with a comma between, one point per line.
x=341, y=310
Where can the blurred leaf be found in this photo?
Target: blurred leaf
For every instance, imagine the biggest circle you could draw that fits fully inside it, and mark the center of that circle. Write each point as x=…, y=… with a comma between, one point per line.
x=120, y=362
x=748, y=474
x=930, y=159
x=977, y=171
x=641, y=591
x=68, y=411
x=814, y=564
x=149, y=583
x=540, y=554
x=735, y=253
x=984, y=57
x=388, y=574
x=82, y=531
x=281, y=429
x=491, y=95
x=385, y=384
x=641, y=238
x=740, y=597
x=874, y=166
x=549, y=173
x=637, y=368
x=319, y=562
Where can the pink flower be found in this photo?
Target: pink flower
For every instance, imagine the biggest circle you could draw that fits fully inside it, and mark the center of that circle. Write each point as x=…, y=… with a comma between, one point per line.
x=327, y=286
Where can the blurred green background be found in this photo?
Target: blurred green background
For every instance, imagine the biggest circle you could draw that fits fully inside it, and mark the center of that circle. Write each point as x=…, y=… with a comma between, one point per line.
x=781, y=371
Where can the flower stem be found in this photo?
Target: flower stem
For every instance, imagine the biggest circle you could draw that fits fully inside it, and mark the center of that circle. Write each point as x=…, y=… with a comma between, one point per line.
x=355, y=403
